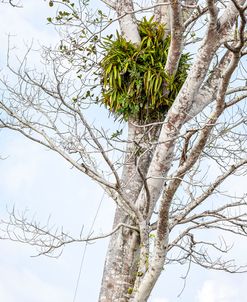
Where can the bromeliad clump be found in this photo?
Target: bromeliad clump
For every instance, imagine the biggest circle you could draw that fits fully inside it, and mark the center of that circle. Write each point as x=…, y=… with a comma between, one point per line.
x=133, y=77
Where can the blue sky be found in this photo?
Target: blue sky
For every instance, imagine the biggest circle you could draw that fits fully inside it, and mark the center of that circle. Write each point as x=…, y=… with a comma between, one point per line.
x=34, y=179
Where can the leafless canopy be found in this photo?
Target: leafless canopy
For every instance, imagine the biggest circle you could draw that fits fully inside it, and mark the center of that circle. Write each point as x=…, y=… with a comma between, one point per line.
x=166, y=177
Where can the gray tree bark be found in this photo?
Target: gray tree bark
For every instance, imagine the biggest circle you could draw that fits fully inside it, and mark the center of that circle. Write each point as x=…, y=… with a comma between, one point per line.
x=124, y=254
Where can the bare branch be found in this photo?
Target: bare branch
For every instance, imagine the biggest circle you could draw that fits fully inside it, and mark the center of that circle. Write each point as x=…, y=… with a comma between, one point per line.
x=46, y=239
x=213, y=12
x=176, y=37
x=215, y=184
x=13, y=3
x=110, y=3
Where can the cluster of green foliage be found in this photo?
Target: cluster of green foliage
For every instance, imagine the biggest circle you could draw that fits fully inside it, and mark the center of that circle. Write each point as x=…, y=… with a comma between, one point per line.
x=135, y=84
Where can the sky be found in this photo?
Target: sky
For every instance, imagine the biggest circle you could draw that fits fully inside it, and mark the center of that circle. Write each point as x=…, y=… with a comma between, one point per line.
x=35, y=180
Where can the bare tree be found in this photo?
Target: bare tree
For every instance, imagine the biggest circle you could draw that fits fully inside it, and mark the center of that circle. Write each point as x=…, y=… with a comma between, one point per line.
x=158, y=174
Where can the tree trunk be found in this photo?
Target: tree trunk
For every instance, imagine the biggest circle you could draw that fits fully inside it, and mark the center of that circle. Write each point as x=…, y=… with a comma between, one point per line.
x=123, y=255
x=121, y=263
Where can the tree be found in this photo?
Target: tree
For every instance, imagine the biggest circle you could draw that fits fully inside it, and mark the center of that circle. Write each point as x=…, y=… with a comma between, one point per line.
x=184, y=112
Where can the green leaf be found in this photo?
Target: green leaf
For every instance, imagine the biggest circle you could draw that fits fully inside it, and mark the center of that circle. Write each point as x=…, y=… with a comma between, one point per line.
x=133, y=75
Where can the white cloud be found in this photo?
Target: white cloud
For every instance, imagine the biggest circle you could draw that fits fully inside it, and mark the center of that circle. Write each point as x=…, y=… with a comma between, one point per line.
x=23, y=28
x=27, y=23
x=159, y=300
x=20, y=176
x=28, y=287
x=5, y=295
x=21, y=169
x=213, y=291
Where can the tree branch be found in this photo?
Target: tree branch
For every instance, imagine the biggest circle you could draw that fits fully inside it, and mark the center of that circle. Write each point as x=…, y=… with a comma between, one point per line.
x=46, y=238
